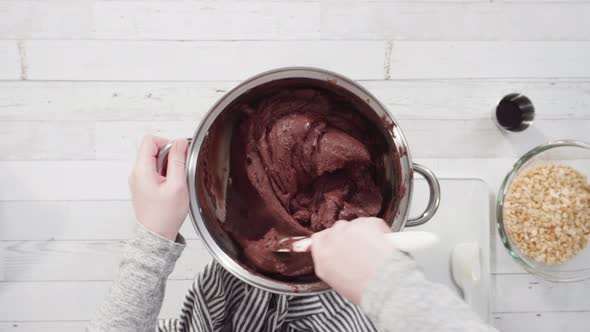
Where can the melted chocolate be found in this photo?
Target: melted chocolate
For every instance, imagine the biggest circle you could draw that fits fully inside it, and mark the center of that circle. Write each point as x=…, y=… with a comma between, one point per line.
x=300, y=159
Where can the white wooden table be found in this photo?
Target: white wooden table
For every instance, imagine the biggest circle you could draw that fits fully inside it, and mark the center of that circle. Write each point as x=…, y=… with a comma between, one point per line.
x=82, y=81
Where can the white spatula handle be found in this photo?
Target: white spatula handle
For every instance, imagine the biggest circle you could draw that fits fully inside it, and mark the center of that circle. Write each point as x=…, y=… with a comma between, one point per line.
x=411, y=241
x=404, y=241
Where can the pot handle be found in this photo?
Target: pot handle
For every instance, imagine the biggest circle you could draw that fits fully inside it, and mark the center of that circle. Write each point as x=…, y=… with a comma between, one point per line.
x=162, y=159
x=433, y=201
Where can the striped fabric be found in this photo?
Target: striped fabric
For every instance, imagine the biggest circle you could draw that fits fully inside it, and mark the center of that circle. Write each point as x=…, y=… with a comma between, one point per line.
x=218, y=301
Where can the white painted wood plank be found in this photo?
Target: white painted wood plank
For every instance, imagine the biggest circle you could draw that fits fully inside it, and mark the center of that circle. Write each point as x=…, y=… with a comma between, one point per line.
x=481, y=138
x=188, y=101
x=491, y=170
x=59, y=326
x=176, y=20
x=74, y=101
x=55, y=301
x=206, y=20
x=46, y=140
x=77, y=180
x=119, y=60
x=476, y=99
x=10, y=66
x=59, y=220
x=415, y=60
x=39, y=19
x=526, y=293
x=84, y=260
x=134, y=60
x=1, y=264
x=539, y=1
x=543, y=321
x=121, y=140
x=457, y=21
x=71, y=220
x=427, y=138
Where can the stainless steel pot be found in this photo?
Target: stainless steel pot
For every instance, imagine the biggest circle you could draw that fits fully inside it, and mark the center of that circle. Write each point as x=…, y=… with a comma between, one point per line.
x=207, y=209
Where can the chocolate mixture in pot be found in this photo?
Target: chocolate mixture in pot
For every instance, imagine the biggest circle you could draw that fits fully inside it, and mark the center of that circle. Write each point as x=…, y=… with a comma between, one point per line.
x=300, y=160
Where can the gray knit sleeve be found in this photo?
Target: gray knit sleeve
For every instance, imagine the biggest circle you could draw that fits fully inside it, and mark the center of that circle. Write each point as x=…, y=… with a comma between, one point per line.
x=399, y=298
x=135, y=298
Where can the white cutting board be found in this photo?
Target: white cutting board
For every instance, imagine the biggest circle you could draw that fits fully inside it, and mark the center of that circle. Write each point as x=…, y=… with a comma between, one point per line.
x=464, y=215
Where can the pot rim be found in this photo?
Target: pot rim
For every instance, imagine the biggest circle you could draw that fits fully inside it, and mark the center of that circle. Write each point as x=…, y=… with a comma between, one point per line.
x=196, y=213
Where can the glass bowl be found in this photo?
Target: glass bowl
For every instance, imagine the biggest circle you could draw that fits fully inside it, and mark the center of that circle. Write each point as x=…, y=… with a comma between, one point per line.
x=572, y=153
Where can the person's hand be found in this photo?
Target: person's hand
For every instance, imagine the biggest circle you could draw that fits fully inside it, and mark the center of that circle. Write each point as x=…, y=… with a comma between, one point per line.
x=160, y=203
x=347, y=255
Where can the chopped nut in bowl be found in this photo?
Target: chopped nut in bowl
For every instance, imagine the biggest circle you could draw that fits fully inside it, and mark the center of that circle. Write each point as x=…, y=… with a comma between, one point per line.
x=543, y=211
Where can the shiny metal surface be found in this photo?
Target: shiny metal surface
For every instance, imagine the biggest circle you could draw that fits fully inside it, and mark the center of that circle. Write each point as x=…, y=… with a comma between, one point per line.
x=433, y=200
x=198, y=213
x=162, y=159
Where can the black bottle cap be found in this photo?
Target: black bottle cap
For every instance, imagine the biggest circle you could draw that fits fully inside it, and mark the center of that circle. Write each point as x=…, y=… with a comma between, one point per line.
x=515, y=112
